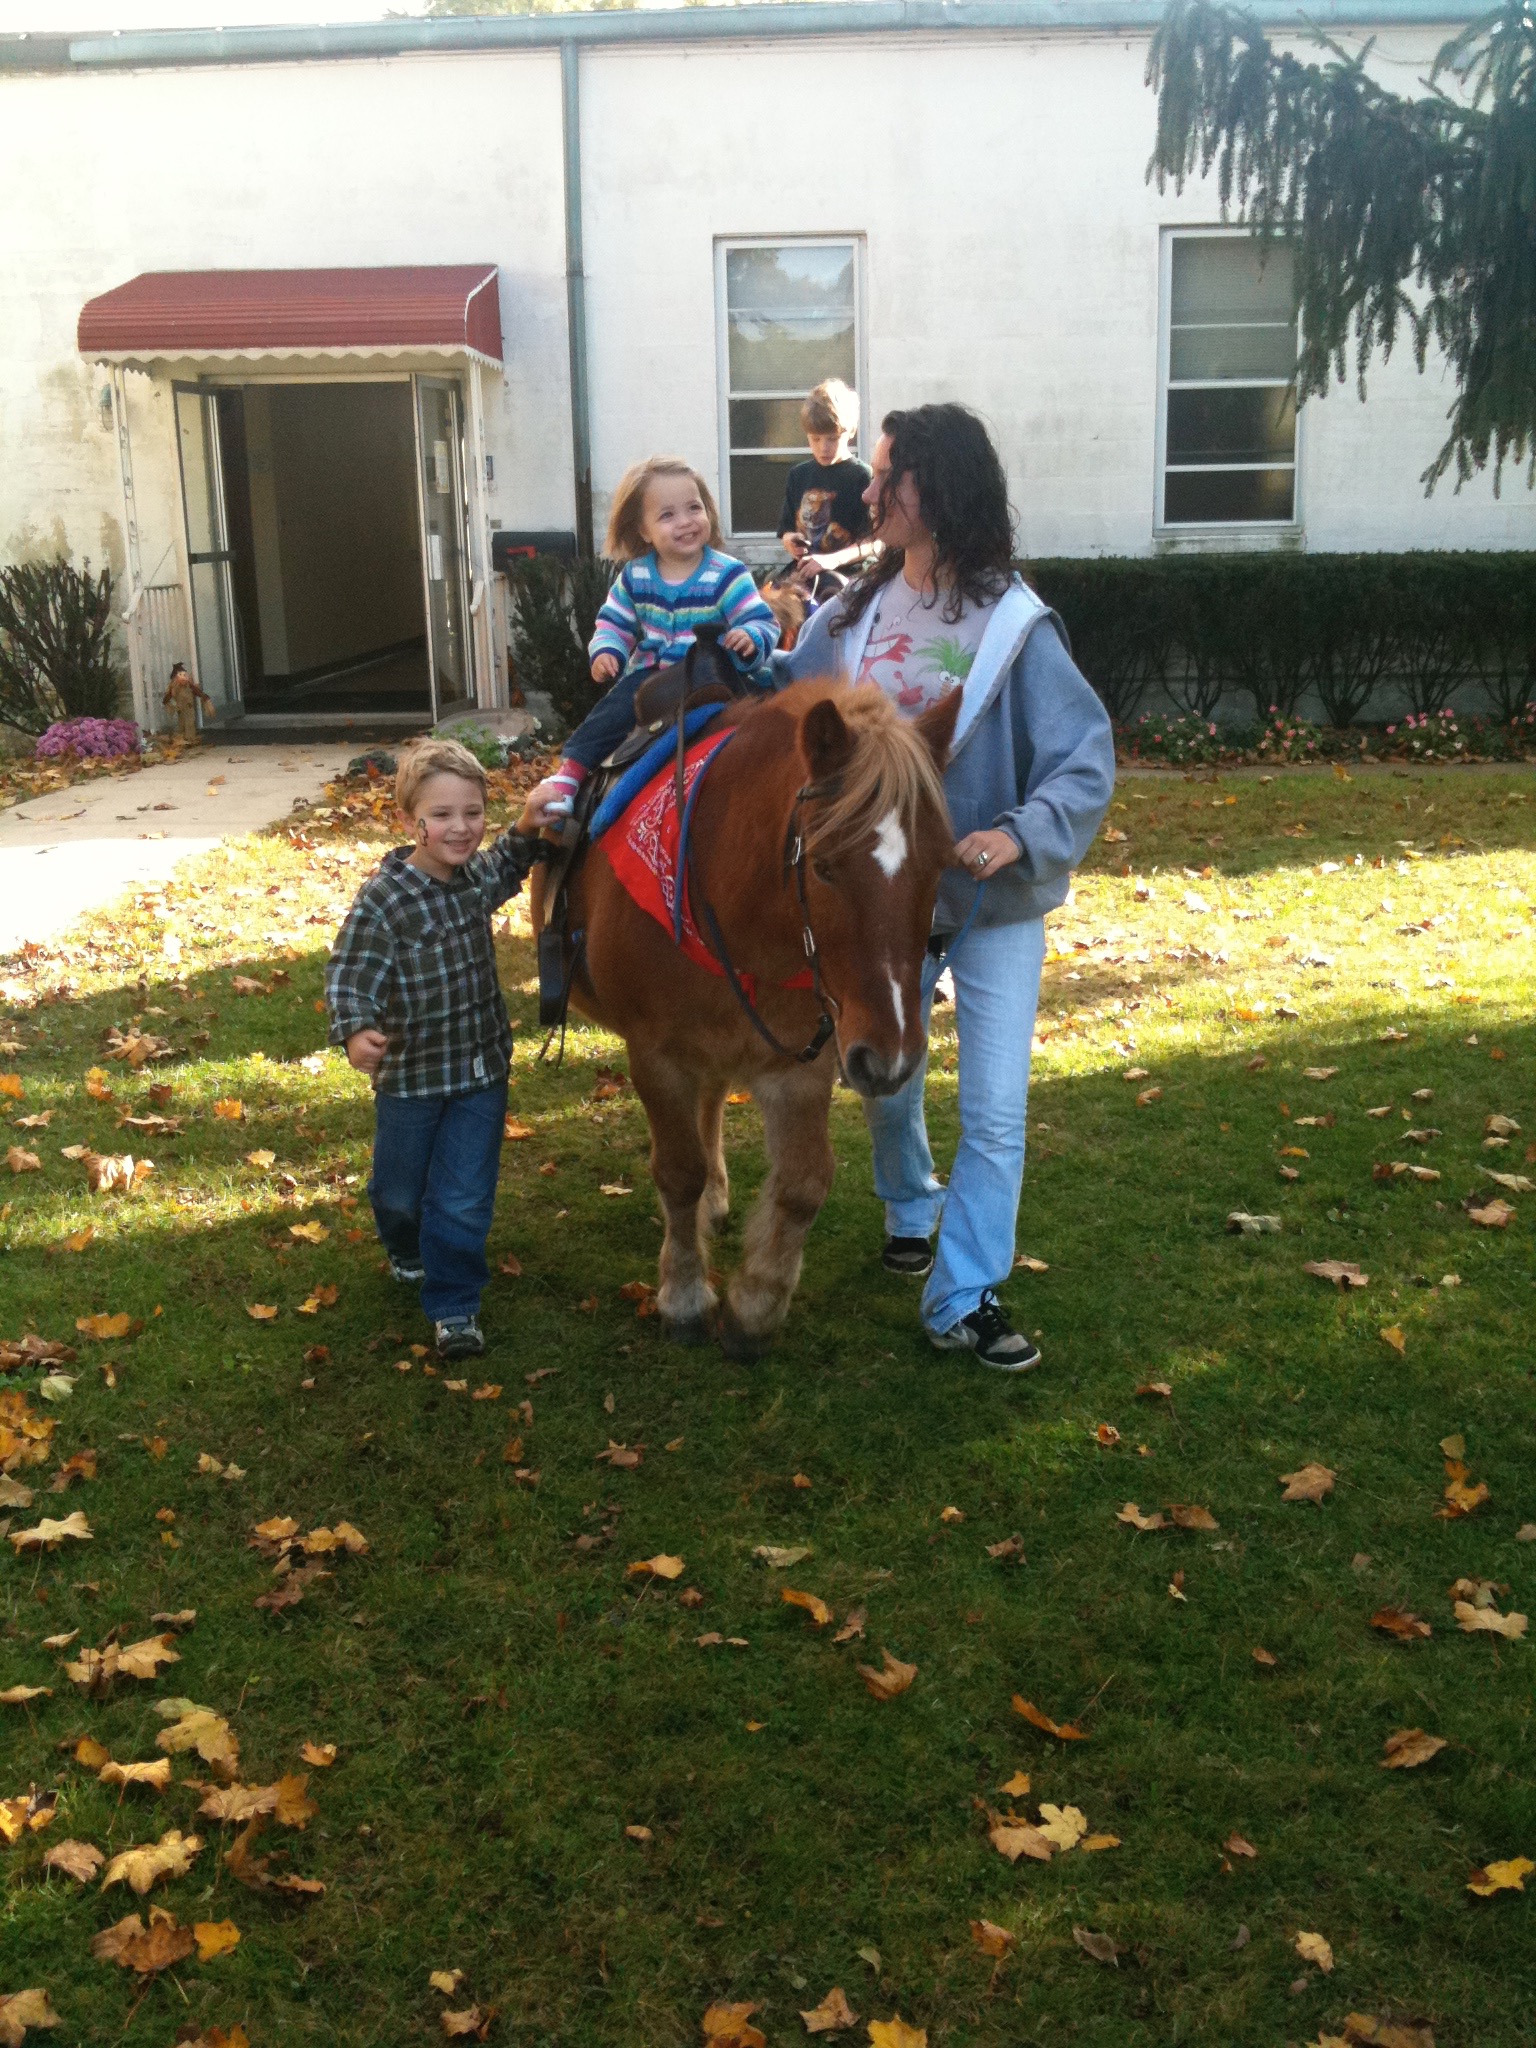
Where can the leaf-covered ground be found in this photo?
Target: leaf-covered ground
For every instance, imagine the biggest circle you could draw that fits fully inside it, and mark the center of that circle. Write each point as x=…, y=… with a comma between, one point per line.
x=541, y=1779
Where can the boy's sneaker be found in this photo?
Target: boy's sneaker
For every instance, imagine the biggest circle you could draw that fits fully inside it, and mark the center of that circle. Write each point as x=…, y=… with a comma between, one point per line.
x=410, y=1270
x=460, y=1337
x=910, y=1255
x=988, y=1332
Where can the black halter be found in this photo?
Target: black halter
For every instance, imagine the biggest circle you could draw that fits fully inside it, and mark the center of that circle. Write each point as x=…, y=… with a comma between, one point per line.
x=709, y=928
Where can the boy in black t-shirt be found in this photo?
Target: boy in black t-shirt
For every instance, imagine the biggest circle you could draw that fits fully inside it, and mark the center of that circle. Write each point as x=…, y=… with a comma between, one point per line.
x=824, y=522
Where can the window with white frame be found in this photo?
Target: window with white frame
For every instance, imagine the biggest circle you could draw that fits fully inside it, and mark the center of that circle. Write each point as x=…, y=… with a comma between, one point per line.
x=1229, y=403
x=788, y=318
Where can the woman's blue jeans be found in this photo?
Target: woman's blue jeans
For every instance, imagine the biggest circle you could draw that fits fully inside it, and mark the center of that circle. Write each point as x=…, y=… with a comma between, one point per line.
x=996, y=972
x=433, y=1189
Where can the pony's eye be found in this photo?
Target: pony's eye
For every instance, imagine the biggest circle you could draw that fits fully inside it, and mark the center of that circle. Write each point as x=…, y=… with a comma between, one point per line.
x=822, y=871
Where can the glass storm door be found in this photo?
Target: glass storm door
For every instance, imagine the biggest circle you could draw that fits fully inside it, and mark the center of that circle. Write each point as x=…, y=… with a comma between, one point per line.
x=208, y=552
x=440, y=482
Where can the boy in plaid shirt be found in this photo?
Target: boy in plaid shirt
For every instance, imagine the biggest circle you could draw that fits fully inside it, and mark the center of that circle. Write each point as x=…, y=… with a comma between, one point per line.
x=414, y=997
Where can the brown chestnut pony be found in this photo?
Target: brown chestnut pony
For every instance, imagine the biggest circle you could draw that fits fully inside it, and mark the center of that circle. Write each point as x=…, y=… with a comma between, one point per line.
x=862, y=789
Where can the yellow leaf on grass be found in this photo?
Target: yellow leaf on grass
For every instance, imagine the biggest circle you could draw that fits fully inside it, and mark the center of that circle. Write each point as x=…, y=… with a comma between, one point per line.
x=1090, y=1843
x=1393, y=1335
x=890, y=1681
x=815, y=1607
x=1017, y=1838
x=1065, y=1826
x=103, y=1329
x=312, y=1232
x=157, y=1774
x=214, y=1938
x=230, y=1108
x=22, y=2009
x=895, y=2033
x=1508, y=1876
x=19, y=1695
x=1017, y=1786
x=321, y=1754
x=1064, y=1731
x=79, y=1860
x=261, y=1311
x=1186, y=1516
x=141, y=1867
x=1488, y=1621
x=1310, y=1482
x=261, y=1158
x=659, y=1567
x=134, y=1947
x=1131, y=1515
x=19, y=1160
x=1312, y=1948
x=47, y=1534
x=1397, y=1621
x=11, y=1084
x=1409, y=1748
x=730, y=2026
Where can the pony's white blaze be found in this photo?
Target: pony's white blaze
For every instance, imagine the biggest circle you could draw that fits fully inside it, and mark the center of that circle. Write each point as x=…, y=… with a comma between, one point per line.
x=890, y=846
x=897, y=1004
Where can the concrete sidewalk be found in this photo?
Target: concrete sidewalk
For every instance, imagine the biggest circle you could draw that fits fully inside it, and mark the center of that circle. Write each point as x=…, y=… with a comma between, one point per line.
x=77, y=849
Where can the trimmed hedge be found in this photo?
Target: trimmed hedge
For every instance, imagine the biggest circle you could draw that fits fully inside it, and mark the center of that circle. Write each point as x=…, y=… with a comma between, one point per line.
x=1343, y=629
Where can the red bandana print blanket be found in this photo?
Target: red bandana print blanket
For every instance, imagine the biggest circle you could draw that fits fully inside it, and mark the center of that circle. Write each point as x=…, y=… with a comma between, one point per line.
x=641, y=847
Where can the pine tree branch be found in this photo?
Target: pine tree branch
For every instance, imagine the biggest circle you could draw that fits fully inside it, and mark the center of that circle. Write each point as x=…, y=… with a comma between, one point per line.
x=1416, y=213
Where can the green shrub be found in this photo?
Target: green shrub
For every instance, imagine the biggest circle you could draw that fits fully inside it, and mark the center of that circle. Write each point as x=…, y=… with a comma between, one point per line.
x=555, y=605
x=56, y=656
x=1278, y=626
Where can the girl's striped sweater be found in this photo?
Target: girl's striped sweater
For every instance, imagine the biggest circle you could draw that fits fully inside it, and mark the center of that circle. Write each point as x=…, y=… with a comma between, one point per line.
x=649, y=623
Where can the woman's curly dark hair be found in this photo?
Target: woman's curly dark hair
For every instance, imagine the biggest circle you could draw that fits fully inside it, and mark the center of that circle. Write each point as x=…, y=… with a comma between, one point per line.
x=962, y=494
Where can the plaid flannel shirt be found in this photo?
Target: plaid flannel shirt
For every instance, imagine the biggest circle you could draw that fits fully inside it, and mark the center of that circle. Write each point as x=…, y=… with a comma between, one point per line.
x=415, y=960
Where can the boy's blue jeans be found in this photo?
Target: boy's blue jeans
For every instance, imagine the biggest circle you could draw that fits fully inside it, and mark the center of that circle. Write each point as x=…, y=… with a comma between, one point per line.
x=433, y=1189
x=996, y=972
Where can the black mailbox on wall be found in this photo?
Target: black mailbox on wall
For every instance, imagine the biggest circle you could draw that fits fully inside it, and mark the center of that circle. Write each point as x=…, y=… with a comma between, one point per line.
x=509, y=547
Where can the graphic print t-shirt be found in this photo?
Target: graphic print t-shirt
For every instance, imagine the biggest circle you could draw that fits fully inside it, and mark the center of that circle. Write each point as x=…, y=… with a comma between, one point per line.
x=914, y=653
x=826, y=506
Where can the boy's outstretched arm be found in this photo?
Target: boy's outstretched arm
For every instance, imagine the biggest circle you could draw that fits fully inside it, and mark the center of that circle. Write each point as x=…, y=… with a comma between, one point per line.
x=357, y=986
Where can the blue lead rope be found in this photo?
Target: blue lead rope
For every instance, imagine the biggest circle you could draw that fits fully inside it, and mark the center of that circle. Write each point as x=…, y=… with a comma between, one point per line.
x=685, y=826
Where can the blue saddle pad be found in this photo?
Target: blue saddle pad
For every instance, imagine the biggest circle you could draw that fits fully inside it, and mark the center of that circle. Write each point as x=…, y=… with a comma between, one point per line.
x=647, y=765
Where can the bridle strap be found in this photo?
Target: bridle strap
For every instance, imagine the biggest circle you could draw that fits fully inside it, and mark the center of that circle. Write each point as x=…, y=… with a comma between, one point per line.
x=709, y=925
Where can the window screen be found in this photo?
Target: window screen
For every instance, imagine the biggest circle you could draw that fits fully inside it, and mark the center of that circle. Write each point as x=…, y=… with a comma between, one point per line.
x=791, y=319
x=1229, y=406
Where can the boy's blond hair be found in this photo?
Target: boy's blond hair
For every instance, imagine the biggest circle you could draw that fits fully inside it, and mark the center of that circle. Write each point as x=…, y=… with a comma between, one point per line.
x=832, y=408
x=428, y=757
x=625, y=542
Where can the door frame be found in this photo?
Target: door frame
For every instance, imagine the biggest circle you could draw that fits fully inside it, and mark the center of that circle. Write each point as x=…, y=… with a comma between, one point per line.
x=422, y=381
x=220, y=557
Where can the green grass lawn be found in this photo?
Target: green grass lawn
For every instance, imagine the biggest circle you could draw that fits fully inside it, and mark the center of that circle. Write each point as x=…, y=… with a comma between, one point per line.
x=506, y=1698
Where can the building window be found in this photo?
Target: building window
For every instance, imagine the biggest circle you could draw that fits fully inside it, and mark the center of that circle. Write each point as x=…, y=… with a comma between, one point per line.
x=1229, y=402
x=788, y=318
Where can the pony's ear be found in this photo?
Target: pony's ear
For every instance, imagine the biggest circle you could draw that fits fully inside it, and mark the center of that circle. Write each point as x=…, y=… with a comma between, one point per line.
x=825, y=740
x=937, y=727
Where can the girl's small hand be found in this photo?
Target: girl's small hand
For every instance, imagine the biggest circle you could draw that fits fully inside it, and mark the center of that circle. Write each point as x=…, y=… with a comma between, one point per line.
x=981, y=854
x=366, y=1050
x=740, y=642
x=605, y=668
x=547, y=803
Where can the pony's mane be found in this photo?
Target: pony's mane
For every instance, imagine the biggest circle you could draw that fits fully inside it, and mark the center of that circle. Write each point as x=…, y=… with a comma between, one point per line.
x=890, y=770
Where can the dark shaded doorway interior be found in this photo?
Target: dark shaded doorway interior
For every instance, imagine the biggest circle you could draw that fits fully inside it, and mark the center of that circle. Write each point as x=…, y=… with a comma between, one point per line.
x=325, y=547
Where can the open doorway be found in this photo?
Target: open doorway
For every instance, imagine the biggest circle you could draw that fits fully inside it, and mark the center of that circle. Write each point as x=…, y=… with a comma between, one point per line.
x=325, y=529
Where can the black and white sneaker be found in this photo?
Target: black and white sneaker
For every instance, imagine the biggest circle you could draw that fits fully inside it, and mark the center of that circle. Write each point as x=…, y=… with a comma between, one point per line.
x=412, y=1271
x=460, y=1337
x=988, y=1332
x=910, y=1255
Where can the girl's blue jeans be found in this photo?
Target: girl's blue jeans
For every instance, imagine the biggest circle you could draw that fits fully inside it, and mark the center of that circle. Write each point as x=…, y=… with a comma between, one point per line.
x=996, y=972
x=433, y=1189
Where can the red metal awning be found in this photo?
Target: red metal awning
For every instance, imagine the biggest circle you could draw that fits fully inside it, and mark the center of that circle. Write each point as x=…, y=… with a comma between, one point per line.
x=437, y=309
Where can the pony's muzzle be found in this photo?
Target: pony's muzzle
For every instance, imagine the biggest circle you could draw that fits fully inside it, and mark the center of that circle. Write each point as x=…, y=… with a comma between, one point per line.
x=872, y=1073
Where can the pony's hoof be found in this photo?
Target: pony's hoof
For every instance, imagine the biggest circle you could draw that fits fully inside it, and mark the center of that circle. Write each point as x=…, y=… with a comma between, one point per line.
x=691, y=1332
x=739, y=1344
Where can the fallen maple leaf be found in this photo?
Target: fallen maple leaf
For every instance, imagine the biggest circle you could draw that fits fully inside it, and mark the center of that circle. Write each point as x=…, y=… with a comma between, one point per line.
x=230, y=1108
x=1131, y=1515
x=214, y=1938
x=472, y=2023
x=321, y=1754
x=1064, y=1731
x=659, y=1567
x=79, y=1860
x=141, y=1867
x=1063, y=1826
x=1339, y=1271
x=729, y=2026
x=134, y=1947
x=1488, y=1621
x=1397, y=1621
x=1409, y=1748
x=1311, y=1482
x=895, y=2033
x=1009, y=1547
x=1361, y=2030
x=237, y=1803
x=19, y=1160
x=47, y=1534
x=1185, y=1515
x=105, y=1329
x=1016, y=1838
x=991, y=1939
x=1508, y=1876
x=1239, y=1220
x=1312, y=1948
x=853, y=1627
x=19, y=1695
x=890, y=1681
x=815, y=1607
x=1494, y=1215
x=156, y=1774
x=1102, y=1947
x=261, y=1158
x=1393, y=1335
x=28, y=1812
x=1318, y=1073
x=780, y=1558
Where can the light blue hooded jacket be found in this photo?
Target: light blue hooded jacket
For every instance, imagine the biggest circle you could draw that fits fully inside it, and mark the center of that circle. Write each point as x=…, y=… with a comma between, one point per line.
x=1034, y=753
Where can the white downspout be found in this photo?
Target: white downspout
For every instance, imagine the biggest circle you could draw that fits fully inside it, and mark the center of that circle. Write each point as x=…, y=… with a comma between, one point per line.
x=130, y=616
x=480, y=607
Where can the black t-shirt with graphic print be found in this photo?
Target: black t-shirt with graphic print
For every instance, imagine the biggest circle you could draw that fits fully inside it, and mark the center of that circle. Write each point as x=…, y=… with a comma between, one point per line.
x=825, y=505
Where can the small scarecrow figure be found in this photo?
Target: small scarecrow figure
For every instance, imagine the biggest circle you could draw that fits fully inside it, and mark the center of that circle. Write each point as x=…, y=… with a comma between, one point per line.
x=183, y=696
